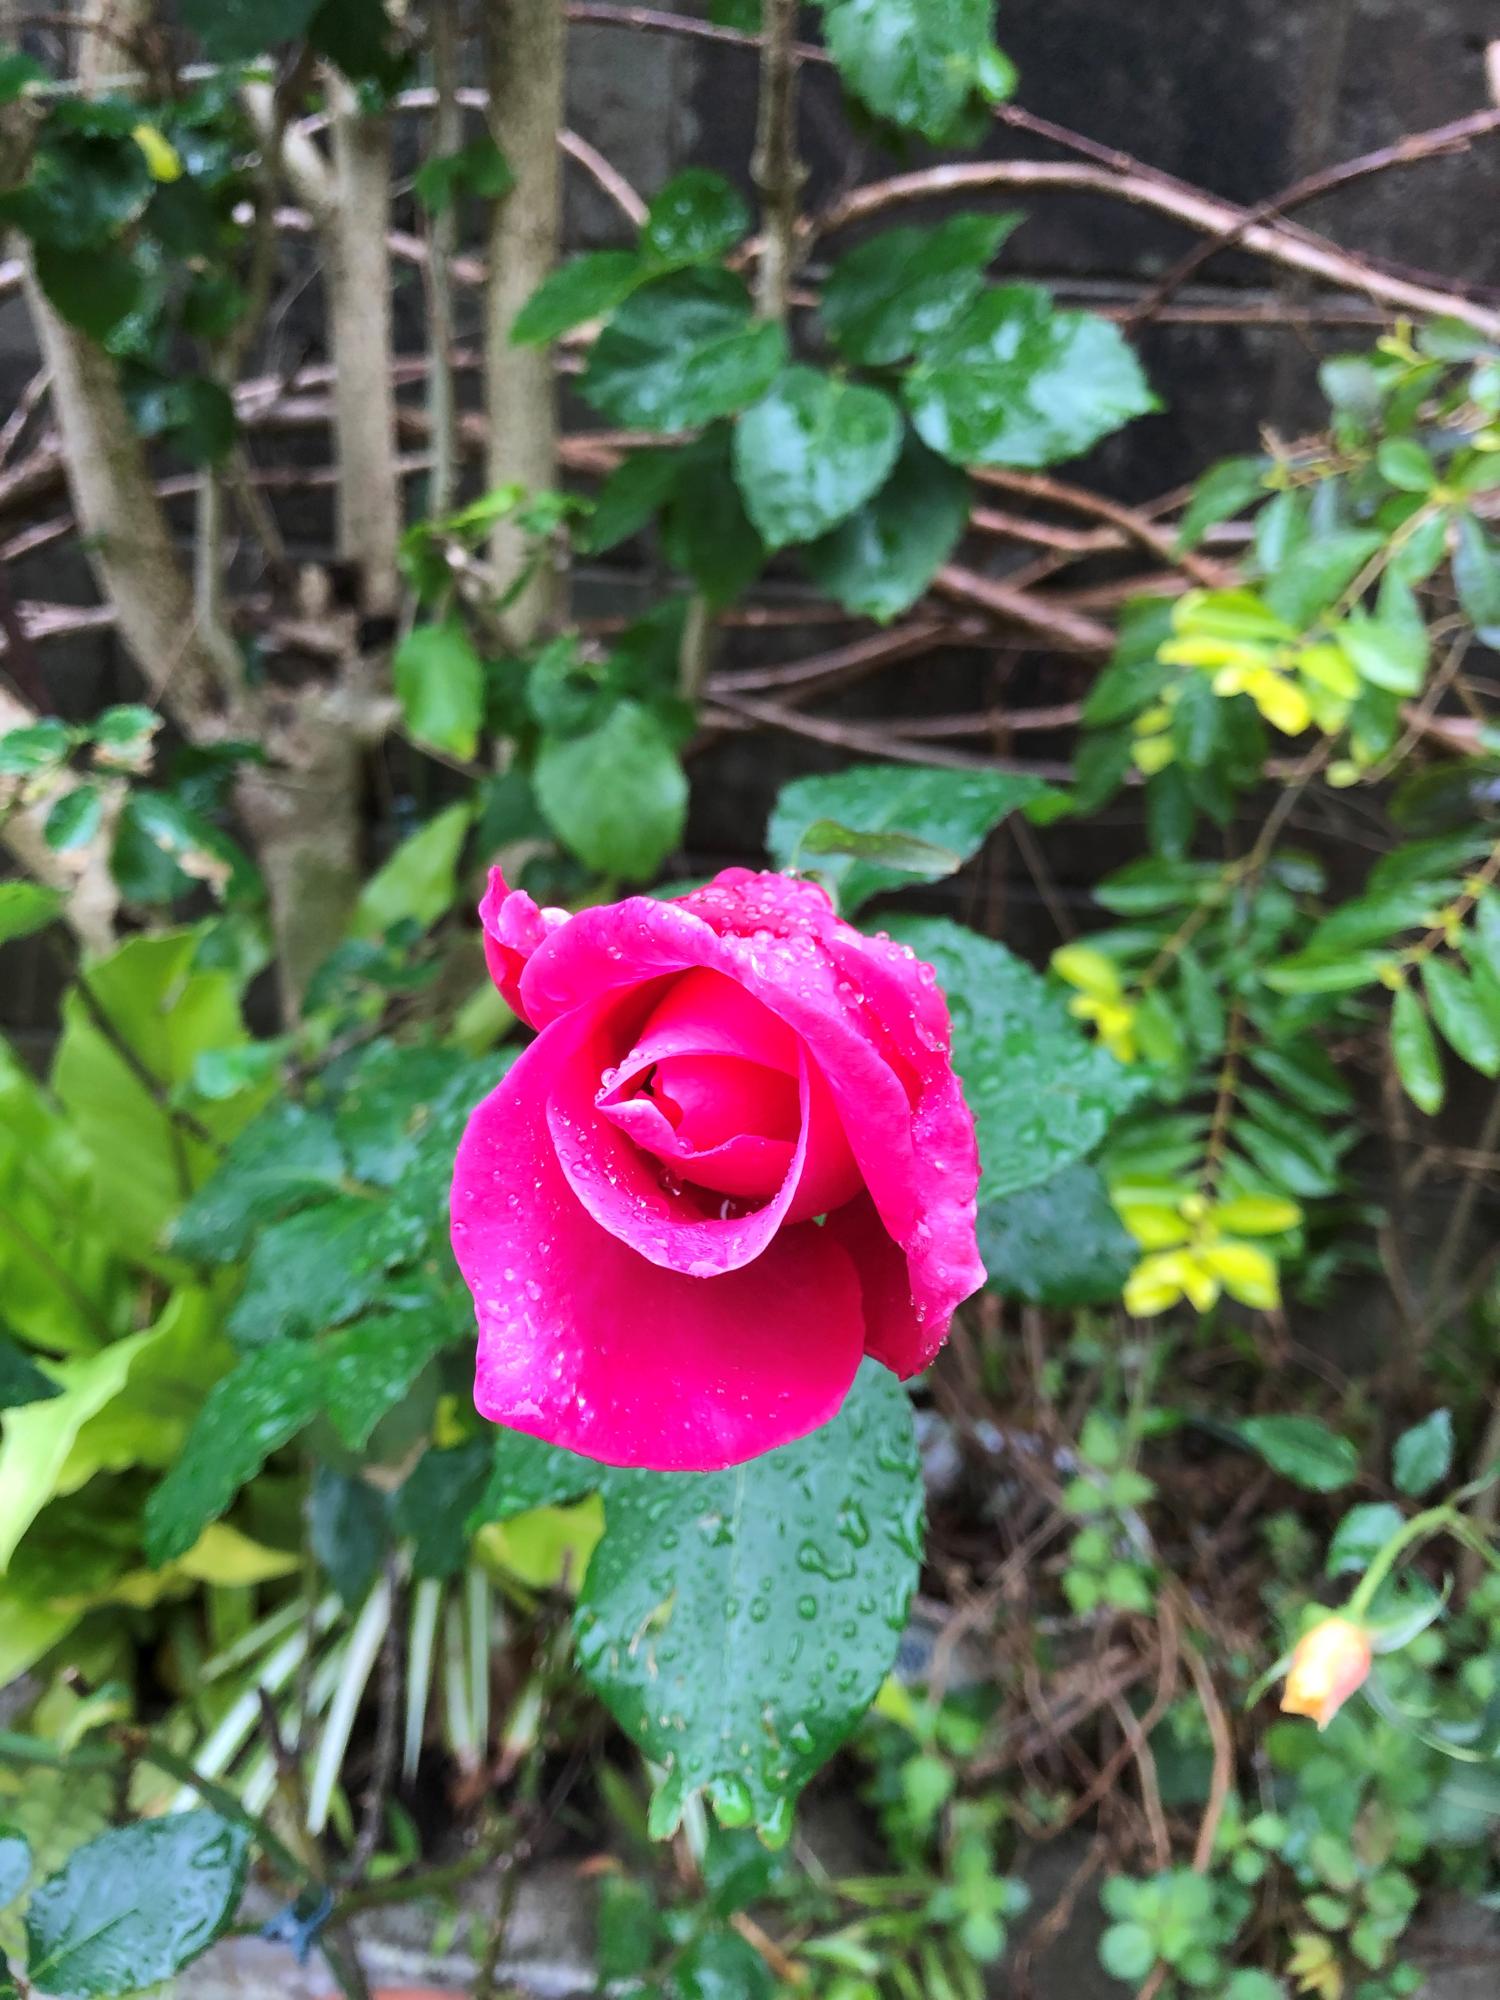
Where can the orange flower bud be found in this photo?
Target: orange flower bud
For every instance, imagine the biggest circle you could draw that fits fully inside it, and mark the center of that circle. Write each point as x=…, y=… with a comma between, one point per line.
x=1329, y=1663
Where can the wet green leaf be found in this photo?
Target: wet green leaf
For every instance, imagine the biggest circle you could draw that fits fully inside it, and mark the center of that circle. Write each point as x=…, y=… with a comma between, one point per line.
x=811, y=451
x=1041, y=1093
x=1059, y=1243
x=737, y=1624
x=682, y=351
x=1303, y=1450
x=880, y=560
x=908, y=285
x=952, y=812
x=617, y=796
x=1018, y=382
x=131, y=1908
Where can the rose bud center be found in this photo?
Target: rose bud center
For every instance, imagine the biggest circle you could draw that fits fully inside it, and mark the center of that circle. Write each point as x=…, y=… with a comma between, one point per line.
x=714, y=1088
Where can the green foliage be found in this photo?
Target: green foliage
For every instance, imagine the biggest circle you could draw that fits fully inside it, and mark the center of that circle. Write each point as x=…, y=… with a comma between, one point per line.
x=440, y=685
x=681, y=351
x=1015, y=381
x=616, y=794
x=1303, y=1450
x=707, y=1617
x=134, y=1906
x=1041, y=1096
x=920, y=64
x=811, y=451
x=955, y=812
x=1057, y=1243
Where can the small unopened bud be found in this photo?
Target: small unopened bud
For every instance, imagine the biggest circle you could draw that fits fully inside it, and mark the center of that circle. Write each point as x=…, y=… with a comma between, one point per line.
x=1329, y=1664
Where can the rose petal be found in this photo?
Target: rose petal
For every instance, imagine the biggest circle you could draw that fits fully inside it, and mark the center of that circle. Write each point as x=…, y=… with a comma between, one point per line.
x=513, y=928
x=748, y=1166
x=897, y=1331
x=628, y=1193
x=586, y=1344
x=870, y=1016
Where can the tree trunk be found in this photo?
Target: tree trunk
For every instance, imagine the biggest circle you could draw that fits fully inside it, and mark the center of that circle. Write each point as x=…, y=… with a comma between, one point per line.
x=359, y=285
x=525, y=62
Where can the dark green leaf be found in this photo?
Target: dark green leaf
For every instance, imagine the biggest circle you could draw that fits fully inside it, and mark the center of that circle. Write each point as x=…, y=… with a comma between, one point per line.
x=1458, y=1008
x=1303, y=1450
x=369, y=1367
x=616, y=796
x=526, y=1473
x=705, y=529
x=131, y=1908
x=811, y=451
x=402, y=1107
x=75, y=818
x=1415, y=1051
x=1423, y=1456
x=1041, y=1093
x=880, y=560
x=21, y=1382
x=1017, y=382
x=720, y=1965
x=708, y=1618
x=94, y=288
x=440, y=685
x=286, y=1158
x=26, y=907
x=915, y=62
x=85, y=187
x=629, y=498
x=235, y=30
x=906, y=285
x=1360, y=1536
x=1059, y=1243
x=1476, y=576
x=323, y=1265
x=954, y=811
x=252, y=1412
x=435, y=1505
x=16, y=71
x=696, y=219
x=584, y=289
x=348, y=1526
x=1225, y=490
x=681, y=352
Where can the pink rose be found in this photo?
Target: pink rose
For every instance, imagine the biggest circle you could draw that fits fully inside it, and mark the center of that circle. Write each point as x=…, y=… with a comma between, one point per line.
x=735, y=1160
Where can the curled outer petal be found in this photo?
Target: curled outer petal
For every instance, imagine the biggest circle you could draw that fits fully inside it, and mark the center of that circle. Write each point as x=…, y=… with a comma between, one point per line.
x=513, y=927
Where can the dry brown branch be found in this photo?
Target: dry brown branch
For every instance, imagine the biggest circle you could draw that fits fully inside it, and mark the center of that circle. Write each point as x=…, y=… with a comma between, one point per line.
x=1294, y=249
x=1069, y=630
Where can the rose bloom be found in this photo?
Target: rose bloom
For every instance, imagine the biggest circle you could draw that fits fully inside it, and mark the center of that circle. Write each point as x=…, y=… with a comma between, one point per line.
x=1329, y=1664
x=735, y=1160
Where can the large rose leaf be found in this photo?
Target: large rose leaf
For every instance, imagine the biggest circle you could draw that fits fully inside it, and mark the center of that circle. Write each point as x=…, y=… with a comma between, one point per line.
x=737, y=1624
